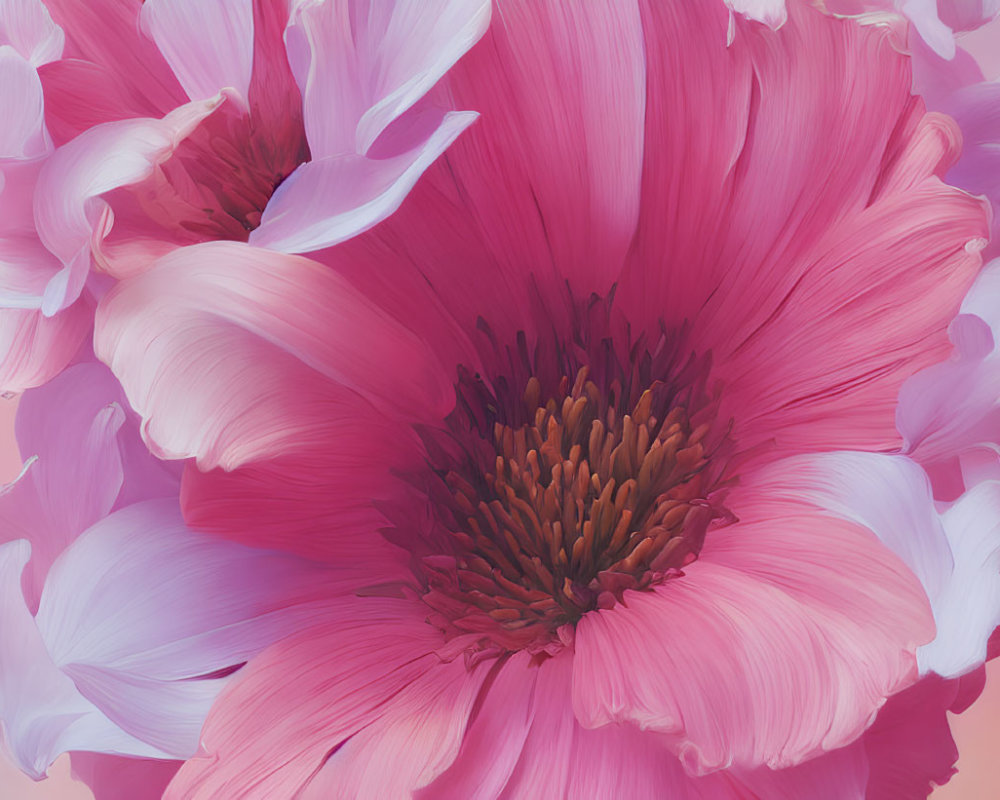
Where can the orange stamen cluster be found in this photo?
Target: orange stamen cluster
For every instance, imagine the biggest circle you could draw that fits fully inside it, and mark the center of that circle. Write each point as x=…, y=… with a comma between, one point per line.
x=581, y=503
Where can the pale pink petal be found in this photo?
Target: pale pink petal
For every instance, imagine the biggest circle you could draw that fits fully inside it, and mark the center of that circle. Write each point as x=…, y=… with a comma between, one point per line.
x=290, y=707
x=771, y=12
x=495, y=738
x=209, y=46
x=794, y=629
x=967, y=15
x=419, y=733
x=34, y=348
x=331, y=199
x=42, y=712
x=27, y=25
x=116, y=778
x=951, y=407
x=25, y=269
x=232, y=353
x=361, y=64
x=23, y=131
x=164, y=714
x=73, y=467
x=144, y=619
x=142, y=595
x=69, y=215
x=968, y=609
x=924, y=16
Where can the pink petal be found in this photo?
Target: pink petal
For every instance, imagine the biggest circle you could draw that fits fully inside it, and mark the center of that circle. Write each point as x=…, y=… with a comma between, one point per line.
x=106, y=33
x=361, y=64
x=69, y=215
x=780, y=642
x=551, y=177
x=280, y=720
x=266, y=341
x=23, y=132
x=838, y=775
x=331, y=199
x=545, y=765
x=956, y=555
x=805, y=269
x=419, y=733
x=115, y=778
x=318, y=501
x=80, y=95
x=493, y=743
x=209, y=46
x=27, y=25
x=34, y=348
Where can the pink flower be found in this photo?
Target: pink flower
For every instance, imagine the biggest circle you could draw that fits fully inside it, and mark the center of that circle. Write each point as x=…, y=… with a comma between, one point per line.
x=128, y=624
x=295, y=124
x=582, y=409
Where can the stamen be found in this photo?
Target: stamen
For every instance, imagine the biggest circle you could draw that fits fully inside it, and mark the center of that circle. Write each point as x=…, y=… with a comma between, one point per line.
x=578, y=504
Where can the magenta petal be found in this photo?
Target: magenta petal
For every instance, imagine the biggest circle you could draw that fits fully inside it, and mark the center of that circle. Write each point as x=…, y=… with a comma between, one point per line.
x=116, y=778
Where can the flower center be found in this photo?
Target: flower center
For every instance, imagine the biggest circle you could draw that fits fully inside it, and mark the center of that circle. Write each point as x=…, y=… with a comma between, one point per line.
x=544, y=520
